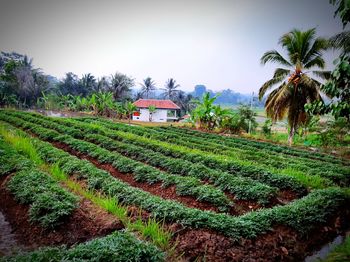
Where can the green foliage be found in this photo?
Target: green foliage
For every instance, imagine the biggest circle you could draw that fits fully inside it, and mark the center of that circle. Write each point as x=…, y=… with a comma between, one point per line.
x=152, y=109
x=119, y=246
x=247, y=118
x=343, y=10
x=204, y=112
x=212, y=116
x=49, y=202
x=340, y=253
x=266, y=128
x=184, y=185
x=21, y=85
x=338, y=89
x=130, y=109
x=294, y=87
x=154, y=230
x=296, y=214
x=22, y=145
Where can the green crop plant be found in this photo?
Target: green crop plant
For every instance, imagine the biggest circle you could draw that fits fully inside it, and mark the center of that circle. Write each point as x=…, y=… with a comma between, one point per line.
x=296, y=214
x=118, y=246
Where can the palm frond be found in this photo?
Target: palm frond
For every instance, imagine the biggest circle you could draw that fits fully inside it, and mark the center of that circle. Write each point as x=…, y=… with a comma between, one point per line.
x=279, y=75
x=316, y=50
x=318, y=61
x=325, y=75
x=278, y=102
x=274, y=57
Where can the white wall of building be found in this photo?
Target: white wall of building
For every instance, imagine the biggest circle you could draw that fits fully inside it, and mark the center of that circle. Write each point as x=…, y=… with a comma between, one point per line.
x=160, y=115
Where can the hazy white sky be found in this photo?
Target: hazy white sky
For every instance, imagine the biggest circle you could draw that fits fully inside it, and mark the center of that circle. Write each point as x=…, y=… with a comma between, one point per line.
x=217, y=43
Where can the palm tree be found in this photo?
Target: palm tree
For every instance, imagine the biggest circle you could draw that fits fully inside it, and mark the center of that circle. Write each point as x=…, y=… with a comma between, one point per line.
x=121, y=86
x=295, y=87
x=130, y=109
x=185, y=101
x=88, y=83
x=170, y=89
x=148, y=86
x=103, y=84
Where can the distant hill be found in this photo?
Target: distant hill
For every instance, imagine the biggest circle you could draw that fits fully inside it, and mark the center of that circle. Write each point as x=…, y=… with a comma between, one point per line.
x=227, y=96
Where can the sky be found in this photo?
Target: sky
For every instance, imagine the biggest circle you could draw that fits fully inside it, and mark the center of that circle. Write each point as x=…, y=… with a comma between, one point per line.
x=217, y=43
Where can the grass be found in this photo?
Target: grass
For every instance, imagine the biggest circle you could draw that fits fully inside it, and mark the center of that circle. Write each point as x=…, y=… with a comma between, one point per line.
x=153, y=230
x=311, y=181
x=22, y=144
x=340, y=253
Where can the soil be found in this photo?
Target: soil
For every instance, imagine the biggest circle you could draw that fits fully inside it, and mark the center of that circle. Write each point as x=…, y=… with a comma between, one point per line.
x=85, y=223
x=279, y=244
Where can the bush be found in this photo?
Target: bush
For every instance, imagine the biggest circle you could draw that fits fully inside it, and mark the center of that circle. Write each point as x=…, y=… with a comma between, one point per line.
x=49, y=202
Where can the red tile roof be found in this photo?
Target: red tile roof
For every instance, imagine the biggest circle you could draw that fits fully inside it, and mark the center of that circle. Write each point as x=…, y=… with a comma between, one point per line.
x=165, y=104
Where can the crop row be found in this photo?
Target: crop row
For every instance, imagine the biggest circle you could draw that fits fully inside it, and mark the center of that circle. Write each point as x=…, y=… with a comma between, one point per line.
x=302, y=215
x=192, y=155
x=260, y=145
x=174, y=132
x=118, y=246
x=242, y=187
x=142, y=173
x=279, y=162
x=272, y=162
x=49, y=202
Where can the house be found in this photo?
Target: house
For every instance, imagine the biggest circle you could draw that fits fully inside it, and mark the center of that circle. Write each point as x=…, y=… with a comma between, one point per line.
x=166, y=110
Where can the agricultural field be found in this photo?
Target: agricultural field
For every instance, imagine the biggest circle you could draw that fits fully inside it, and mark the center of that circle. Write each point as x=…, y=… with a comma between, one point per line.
x=90, y=189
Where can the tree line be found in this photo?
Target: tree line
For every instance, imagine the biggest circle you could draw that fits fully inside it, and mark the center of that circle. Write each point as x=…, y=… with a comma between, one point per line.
x=23, y=86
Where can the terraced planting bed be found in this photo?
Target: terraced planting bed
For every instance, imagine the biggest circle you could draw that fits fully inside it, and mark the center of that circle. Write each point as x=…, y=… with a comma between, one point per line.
x=107, y=190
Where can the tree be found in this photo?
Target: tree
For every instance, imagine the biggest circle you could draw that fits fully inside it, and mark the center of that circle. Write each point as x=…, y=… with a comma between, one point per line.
x=120, y=86
x=185, y=101
x=19, y=79
x=304, y=52
x=338, y=86
x=103, y=84
x=170, y=89
x=130, y=108
x=147, y=86
x=70, y=84
x=88, y=84
x=247, y=118
x=151, y=110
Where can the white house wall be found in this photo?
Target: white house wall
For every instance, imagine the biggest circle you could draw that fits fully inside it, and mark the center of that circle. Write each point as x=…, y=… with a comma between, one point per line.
x=160, y=115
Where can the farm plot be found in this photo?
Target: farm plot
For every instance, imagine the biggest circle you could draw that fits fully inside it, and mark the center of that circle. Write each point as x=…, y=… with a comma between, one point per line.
x=207, y=196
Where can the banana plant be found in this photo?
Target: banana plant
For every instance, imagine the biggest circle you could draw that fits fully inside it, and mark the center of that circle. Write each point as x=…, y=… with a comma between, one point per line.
x=130, y=108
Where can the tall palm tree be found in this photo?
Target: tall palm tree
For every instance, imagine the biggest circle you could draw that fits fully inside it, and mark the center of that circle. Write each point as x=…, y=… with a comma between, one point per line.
x=103, y=84
x=88, y=83
x=295, y=87
x=147, y=86
x=170, y=89
x=121, y=85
